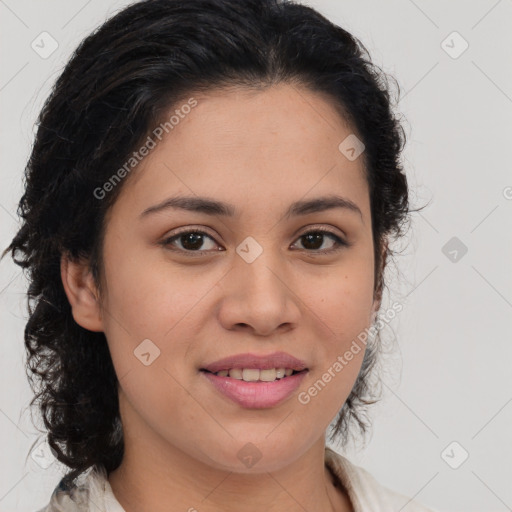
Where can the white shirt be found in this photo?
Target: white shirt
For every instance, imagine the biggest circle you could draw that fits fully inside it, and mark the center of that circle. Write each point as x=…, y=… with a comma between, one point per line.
x=92, y=491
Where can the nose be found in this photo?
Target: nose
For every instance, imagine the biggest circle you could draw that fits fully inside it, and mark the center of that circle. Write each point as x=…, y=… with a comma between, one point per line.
x=259, y=298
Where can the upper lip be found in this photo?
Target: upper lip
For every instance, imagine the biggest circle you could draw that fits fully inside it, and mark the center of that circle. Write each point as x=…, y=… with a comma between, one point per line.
x=256, y=361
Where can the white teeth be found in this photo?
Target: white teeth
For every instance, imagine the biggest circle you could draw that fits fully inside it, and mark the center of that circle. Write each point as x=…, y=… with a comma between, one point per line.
x=270, y=375
x=236, y=373
x=250, y=375
x=253, y=375
x=280, y=373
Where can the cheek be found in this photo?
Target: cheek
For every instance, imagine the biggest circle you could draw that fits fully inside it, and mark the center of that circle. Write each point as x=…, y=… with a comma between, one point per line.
x=150, y=326
x=342, y=308
x=342, y=317
x=156, y=315
x=149, y=298
x=342, y=301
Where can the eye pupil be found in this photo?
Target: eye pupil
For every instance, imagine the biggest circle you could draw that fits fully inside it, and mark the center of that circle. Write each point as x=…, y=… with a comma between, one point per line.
x=313, y=238
x=191, y=237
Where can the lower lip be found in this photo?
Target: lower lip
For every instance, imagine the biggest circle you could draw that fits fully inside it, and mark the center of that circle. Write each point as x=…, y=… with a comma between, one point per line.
x=256, y=395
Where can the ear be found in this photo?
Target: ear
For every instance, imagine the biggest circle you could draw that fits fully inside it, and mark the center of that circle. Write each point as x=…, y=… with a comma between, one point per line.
x=82, y=294
x=378, y=292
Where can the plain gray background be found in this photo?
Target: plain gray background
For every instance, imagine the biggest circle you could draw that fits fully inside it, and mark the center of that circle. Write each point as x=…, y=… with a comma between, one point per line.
x=450, y=380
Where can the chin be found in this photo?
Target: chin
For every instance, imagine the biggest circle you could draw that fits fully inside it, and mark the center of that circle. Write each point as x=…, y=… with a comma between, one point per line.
x=260, y=455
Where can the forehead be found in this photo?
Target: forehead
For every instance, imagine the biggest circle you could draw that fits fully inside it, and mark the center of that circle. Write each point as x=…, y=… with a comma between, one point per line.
x=243, y=146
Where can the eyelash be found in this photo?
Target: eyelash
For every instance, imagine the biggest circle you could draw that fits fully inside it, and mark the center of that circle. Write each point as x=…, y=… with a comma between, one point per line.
x=340, y=243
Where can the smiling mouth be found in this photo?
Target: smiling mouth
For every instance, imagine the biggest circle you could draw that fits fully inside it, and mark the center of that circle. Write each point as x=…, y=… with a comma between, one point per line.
x=256, y=375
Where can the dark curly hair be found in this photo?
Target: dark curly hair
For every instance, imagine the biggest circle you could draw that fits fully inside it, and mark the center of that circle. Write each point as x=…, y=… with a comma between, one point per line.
x=119, y=83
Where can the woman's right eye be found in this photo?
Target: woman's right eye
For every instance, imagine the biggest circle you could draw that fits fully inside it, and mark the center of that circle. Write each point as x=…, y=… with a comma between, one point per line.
x=190, y=240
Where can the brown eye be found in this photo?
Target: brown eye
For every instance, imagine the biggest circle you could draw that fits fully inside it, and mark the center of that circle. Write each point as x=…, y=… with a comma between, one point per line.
x=314, y=240
x=192, y=240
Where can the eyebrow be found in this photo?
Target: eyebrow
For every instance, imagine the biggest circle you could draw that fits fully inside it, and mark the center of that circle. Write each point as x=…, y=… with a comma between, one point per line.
x=212, y=207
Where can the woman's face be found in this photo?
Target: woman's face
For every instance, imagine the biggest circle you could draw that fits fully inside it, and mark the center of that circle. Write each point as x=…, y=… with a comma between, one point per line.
x=249, y=283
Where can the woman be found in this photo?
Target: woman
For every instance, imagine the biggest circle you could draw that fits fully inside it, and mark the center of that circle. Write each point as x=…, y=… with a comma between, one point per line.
x=208, y=209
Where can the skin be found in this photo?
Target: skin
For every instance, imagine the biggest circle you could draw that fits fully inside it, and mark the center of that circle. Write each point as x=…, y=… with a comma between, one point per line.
x=259, y=151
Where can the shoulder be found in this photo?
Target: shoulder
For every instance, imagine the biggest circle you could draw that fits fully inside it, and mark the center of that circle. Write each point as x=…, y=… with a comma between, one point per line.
x=365, y=492
x=88, y=488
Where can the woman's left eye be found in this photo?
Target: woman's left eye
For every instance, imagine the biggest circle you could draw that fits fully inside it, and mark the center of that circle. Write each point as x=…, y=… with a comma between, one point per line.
x=192, y=240
x=315, y=235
